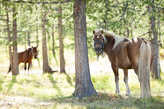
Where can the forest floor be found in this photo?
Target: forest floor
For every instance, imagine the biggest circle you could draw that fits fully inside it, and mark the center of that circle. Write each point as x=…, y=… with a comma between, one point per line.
x=54, y=91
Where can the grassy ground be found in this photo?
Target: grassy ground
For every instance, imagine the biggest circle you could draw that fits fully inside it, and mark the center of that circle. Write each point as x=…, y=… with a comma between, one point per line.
x=55, y=92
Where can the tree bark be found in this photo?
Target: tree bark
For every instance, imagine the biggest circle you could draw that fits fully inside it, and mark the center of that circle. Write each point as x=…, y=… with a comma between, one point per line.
x=37, y=39
x=37, y=31
x=106, y=14
x=155, y=46
x=127, y=32
x=9, y=39
x=83, y=85
x=53, y=45
x=46, y=67
x=61, y=45
x=28, y=39
x=15, y=66
x=37, y=36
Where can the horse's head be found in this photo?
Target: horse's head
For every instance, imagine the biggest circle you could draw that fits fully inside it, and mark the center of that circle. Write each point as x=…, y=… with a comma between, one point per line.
x=35, y=52
x=99, y=41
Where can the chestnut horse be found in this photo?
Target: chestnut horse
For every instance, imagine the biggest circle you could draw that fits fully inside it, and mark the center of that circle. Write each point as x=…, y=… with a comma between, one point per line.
x=122, y=53
x=26, y=57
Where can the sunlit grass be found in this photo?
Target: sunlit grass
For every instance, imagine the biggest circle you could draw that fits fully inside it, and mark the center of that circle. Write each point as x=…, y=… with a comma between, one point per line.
x=38, y=86
x=57, y=89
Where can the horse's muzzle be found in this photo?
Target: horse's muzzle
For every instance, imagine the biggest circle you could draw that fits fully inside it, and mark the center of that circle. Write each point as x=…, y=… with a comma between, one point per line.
x=99, y=51
x=98, y=46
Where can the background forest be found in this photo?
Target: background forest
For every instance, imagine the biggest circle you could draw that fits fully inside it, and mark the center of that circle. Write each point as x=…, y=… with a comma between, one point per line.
x=49, y=24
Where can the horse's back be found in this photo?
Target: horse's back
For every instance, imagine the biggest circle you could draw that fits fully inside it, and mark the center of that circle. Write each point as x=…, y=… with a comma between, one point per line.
x=127, y=53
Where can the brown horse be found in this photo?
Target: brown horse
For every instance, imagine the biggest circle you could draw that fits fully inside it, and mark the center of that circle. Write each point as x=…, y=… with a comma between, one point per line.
x=122, y=53
x=26, y=57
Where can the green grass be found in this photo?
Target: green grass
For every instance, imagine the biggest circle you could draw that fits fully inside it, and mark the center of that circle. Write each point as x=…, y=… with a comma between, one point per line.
x=57, y=90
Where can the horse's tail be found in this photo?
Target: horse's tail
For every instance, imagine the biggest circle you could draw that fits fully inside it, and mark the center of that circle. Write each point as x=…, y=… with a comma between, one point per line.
x=144, y=68
x=144, y=57
x=9, y=69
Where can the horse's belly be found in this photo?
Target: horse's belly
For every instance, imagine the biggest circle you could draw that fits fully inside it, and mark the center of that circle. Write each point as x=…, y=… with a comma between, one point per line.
x=126, y=67
x=124, y=63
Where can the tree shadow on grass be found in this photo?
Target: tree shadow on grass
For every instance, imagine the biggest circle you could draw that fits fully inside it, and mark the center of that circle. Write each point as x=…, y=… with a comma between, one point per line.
x=54, y=83
x=11, y=83
x=68, y=78
x=1, y=84
x=109, y=101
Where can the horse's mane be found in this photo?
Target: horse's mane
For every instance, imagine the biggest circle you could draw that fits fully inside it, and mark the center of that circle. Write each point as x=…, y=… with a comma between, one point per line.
x=109, y=34
x=117, y=38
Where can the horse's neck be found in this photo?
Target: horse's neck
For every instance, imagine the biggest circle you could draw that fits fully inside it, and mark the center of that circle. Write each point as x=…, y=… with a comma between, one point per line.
x=30, y=55
x=108, y=44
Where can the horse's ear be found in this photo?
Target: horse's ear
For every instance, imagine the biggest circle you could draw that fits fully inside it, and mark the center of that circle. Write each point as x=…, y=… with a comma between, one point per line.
x=102, y=31
x=93, y=31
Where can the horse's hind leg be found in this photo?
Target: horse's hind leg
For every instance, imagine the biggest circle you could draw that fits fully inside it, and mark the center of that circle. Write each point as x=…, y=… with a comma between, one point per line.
x=29, y=65
x=126, y=82
x=115, y=70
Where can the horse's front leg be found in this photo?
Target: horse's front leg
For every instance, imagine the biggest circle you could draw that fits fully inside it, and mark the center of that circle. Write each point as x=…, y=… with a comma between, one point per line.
x=126, y=82
x=25, y=66
x=29, y=65
x=115, y=70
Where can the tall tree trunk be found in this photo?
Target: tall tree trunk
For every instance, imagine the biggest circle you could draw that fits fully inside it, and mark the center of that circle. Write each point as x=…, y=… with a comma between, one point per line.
x=155, y=45
x=127, y=32
x=37, y=30
x=61, y=45
x=15, y=66
x=28, y=39
x=37, y=35
x=37, y=38
x=46, y=67
x=83, y=85
x=9, y=38
x=53, y=45
x=106, y=14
